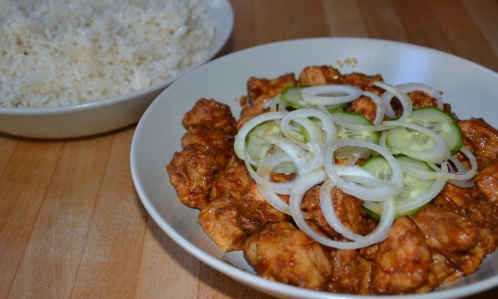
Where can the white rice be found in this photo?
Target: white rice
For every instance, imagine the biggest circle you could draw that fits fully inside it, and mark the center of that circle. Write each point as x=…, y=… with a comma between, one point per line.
x=62, y=52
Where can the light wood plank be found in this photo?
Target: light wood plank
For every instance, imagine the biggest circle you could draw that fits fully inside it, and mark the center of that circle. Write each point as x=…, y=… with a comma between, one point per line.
x=166, y=270
x=7, y=146
x=420, y=25
x=381, y=20
x=23, y=185
x=53, y=253
x=113, y=247
x=344, y=19
x=463, y=34
x=279, y=20
x=485, y=15
x=214, y=285
x=243, y=30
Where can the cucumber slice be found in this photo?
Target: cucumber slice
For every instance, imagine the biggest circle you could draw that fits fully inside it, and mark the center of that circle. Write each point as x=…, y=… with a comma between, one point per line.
x=413, y=187
x=257, y=148
x=292, y=96
x=357, y=119
x=345, y=133
x=403, y=139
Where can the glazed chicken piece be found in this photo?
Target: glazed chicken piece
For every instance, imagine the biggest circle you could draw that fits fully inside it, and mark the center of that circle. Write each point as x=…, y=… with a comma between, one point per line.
x=219, y=221
x=470, y=203
x=362, y=81
x=233, y=179
x=282, y=253
x=347, y=208
x=218, y=144
x=319, y=75
x=483, y=136
x=455, y=236
x=446, y=231
x=255, y=212
x=487, y=182
x=420, y=99
x=258, y=91
x=192, y=172
x=403, y=263
x=363, y=105
x=444, y=269
x=210, y=114
x=207, y=146
x=350, y=273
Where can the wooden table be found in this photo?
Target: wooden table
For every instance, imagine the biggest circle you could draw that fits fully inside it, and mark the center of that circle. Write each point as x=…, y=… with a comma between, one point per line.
x=71, y=223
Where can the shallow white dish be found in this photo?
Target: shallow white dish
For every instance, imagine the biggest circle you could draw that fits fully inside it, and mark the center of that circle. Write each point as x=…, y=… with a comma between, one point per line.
x=107, y=114
x=470, y=88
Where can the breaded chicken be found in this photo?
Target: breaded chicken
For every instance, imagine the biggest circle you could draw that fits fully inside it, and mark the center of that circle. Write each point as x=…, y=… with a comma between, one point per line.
x=403, y=263
x=483, y=136
x=282, y=253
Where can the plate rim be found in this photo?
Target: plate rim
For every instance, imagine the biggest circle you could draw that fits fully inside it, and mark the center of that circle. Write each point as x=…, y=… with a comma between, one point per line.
x=254, y=280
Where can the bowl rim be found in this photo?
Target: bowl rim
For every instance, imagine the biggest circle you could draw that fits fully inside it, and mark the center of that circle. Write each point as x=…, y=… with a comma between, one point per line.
x=134, y=94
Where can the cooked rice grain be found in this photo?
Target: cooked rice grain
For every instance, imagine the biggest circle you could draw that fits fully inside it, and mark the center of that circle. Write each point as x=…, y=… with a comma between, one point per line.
x=62, y=52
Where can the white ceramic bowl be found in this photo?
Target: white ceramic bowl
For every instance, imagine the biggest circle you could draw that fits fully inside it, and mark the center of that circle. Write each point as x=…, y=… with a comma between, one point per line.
x=470, y=88
x=106, y=114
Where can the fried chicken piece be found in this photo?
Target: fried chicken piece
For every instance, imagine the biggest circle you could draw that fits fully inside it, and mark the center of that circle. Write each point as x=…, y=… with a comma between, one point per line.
x=282, y=253
x=319, y=75
x=347, y=208
x=444, y=269
x=219, y=221
x=483, y=136
x=255, y=212
x=258, y=91
x=455, y=236
x=420, y=99
x=487, y=182
x=403, y=263
x=233, y=179
x=350, y=273
x=446, y=231
x=263, y=89
x=218, y=144
x=362, y=81
x=210, y=114
x=192, y=172
x=363, y=105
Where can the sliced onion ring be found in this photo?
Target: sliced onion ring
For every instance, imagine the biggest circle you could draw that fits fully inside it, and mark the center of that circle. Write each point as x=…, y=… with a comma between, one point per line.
x=378, y=235
x=324, y=94
x=381, y=193
x=393, y=91
x=305, y=183
x=240, y=140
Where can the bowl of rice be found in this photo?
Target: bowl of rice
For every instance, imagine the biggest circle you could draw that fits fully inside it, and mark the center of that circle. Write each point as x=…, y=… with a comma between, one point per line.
x=73, y=68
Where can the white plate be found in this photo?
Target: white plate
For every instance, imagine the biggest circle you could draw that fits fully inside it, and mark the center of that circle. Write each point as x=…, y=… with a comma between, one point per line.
x=107, y=114
x=470, y=88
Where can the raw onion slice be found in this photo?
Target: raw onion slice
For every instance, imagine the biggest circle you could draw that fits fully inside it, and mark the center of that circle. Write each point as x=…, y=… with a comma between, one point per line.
x=444, y=174
x=274, y=200
x=381, y=193
x=380, y=111
x=262, y=175
x=378, y=235
x=315, y=149
x=328, y=125
x=240, y=140
x=440, y=151
x=393, y=91
x=296, y=153
x=331, y=94
x=296, y=198
x=429, y=90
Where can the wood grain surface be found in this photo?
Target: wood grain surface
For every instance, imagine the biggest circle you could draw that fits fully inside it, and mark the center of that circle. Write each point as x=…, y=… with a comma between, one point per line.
x=71, y=223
